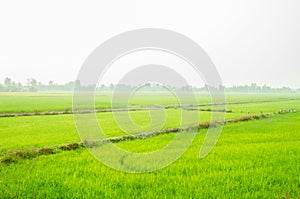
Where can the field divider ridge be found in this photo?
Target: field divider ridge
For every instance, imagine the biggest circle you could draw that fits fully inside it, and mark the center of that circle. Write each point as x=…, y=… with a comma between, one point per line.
x=14, y=156
x=142, y=108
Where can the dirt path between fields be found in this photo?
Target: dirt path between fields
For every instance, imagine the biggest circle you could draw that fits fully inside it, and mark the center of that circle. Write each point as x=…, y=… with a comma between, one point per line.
x=186, y=107
x=14, y=156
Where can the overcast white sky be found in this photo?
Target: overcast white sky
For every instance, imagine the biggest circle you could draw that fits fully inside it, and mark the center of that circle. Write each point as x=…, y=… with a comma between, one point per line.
x=249, y=41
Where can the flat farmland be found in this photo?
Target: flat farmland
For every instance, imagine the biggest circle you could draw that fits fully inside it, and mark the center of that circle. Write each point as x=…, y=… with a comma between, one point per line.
x=254, y=158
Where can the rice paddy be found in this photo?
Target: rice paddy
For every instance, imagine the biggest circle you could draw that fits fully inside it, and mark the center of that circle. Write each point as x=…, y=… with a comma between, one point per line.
x=255, y=157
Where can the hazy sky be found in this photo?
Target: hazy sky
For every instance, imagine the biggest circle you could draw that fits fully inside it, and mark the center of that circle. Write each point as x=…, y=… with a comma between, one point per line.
x=249, y=41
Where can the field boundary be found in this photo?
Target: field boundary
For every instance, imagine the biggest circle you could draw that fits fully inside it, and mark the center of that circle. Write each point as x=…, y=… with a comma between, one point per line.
x=186, y=107
x=14, y=156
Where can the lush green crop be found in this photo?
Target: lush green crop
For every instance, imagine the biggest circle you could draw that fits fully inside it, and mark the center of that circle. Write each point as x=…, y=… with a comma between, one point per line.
x=252, y=159
x=32, y=102
x=39, y=131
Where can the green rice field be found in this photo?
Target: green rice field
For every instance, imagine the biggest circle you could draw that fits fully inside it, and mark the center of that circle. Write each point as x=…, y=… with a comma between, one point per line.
x=253, y=158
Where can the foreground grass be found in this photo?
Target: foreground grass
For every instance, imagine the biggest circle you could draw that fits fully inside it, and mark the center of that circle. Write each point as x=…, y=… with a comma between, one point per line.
x=253, y=159
x=40, y=131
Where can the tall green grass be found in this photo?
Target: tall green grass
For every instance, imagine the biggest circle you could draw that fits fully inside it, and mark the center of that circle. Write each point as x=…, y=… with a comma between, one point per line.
x=253, y=159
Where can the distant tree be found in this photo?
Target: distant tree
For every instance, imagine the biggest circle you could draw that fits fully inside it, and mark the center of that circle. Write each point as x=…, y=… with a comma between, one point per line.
x=111, y=86
x=68, y=86
x=266, y=88
x=19, y=87
x=77, y=83
x=102, y=87
x=253, y=87
x=285, y=89
x=9, y=85
x=222, y=88
x=51, y=83
x=186, y=88
x=7, y=82
x=32, y=85
x=206, y=87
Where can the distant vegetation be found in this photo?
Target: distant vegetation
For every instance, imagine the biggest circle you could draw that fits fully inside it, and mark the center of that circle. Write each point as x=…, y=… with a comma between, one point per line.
x=33, y=85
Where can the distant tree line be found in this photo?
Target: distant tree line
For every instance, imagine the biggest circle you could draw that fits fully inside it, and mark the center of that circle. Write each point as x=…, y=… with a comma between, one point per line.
x=32, y=85
x=261, y=89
